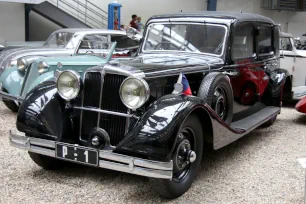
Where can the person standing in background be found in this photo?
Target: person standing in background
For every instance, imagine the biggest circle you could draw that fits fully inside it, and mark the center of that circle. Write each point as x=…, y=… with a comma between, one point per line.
x=133, y=22
x=139, y=24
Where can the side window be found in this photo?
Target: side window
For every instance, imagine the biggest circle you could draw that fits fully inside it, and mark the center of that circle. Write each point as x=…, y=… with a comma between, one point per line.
x=243, y=41
x=265, y=40
x=286, y=44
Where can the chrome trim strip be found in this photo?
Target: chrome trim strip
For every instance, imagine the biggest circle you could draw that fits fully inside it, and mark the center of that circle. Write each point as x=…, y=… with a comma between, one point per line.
x=154, y=173
x=101, y=93
x=106, y=112
x=184, y=22
x=10, y=96
x=113, y=161
x=106, y=154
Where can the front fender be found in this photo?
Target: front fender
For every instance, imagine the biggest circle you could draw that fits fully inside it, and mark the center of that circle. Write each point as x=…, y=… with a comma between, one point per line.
x=12, y=80
x=155, y=132
x=48, y=76
x=42, y=114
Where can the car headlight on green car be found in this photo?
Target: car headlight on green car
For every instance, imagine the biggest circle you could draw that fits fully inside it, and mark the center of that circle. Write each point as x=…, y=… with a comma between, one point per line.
x=134, y=92
x=42, y=67
x=21, y=64
x=68, y=85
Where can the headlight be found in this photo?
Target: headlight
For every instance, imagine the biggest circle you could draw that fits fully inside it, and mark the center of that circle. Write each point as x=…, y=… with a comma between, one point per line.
x=68, y=85
x=21, y=64
x=42, y=67
x=134, y=92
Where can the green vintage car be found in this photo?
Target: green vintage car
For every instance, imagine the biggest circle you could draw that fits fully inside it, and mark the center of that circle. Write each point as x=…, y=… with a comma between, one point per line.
x=19, y=80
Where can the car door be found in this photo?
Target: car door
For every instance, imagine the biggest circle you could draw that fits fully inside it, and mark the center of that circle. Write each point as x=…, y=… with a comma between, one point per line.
x=298, y=72
x=288, y=58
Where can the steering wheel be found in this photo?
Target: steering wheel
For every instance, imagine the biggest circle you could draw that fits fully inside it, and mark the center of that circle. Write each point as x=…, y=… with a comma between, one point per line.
x=89, y=51
x=178, y=48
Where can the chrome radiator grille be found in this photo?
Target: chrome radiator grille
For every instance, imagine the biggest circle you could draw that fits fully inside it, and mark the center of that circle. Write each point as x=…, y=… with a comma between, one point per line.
x=102, y=91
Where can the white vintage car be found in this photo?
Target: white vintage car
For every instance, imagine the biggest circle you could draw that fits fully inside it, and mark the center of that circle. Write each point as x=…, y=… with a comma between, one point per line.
x=294, y=61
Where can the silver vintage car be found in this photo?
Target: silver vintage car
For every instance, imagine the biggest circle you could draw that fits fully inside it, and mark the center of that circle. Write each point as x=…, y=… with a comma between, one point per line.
x=64, y=42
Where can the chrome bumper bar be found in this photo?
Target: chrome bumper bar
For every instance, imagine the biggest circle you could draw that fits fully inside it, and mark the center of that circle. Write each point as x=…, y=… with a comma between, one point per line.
x=10, y=96
x=107, y=159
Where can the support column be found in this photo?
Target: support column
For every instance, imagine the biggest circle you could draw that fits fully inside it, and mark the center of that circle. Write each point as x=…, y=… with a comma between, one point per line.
x=27, y=10
x=211, y=5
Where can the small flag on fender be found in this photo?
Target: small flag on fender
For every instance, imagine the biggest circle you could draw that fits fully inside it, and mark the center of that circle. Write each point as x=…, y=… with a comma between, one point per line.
x=186, y=87
x=182, y=86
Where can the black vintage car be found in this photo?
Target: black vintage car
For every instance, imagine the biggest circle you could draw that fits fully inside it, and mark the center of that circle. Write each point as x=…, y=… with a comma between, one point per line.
x=151, y=115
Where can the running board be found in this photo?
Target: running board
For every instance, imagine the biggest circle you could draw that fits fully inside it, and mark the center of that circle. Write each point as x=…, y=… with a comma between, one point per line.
x=227, y=135
x=255, y=120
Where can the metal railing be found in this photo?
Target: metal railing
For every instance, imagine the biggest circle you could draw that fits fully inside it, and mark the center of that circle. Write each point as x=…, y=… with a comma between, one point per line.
x=83, y=10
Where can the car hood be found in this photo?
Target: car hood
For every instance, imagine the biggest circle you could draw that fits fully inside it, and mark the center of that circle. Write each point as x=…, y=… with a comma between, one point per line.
x=167, y=64
x=13, y=54
x=301, y=53
x=74, y=60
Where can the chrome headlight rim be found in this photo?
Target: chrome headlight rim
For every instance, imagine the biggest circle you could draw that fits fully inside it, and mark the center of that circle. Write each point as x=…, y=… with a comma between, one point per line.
x=21, y=64
x=42, y=67
x=147, y=92
x=77, y=77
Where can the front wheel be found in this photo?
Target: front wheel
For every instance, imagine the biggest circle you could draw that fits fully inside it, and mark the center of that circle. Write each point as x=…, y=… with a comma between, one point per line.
x=46, y=162
x=11, y=105
x=186, y=158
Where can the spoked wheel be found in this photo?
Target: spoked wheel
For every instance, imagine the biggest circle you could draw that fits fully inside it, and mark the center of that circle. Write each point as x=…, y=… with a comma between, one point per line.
x=219, y=103
x=184, y=154
x=186, y=160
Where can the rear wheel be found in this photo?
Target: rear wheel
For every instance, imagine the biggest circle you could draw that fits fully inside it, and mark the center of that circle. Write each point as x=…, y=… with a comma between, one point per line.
x=186, y=160
x=46, y=162
x=269, y=122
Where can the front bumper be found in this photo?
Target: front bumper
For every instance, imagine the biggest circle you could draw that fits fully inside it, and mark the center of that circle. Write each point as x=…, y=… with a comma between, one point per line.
x=107, y=159
x=9, y=96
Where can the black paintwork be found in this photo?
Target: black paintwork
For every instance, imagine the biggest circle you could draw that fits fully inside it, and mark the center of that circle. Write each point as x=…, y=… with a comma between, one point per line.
x=46, y=115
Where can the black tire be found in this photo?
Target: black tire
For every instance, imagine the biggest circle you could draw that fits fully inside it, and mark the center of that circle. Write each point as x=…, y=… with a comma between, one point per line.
x=210, y=84
x=46, y=162
x=11, y=105
x=269, y=122
x=179, y=185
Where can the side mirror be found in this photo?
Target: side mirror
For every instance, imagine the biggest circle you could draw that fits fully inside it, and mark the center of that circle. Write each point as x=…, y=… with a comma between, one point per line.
x=2, y=47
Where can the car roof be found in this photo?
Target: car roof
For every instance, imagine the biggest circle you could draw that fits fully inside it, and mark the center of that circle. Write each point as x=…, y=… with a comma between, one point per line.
x=219, y=14
x=285, y=35
x=84, y=31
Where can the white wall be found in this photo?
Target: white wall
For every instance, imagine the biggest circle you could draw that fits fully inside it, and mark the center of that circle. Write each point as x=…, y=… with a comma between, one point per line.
x=12, y=26
x=291, y=21
x=147, y=8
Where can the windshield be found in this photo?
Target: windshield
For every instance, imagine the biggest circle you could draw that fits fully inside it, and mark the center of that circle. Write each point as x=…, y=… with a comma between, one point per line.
x=98, y=48
x=201, y=38
x=59, y=40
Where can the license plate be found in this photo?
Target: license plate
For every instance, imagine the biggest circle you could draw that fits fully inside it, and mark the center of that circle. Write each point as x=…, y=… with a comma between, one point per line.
x=77, y=154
